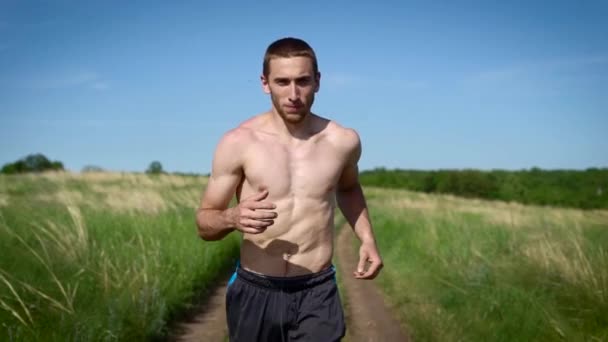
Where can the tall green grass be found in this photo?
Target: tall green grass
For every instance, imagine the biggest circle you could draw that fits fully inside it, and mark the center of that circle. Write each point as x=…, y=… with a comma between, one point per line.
x=101, y=257
x=462, y=270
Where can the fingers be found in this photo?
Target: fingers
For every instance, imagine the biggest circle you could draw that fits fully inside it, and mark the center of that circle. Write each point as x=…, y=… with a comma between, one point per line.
x=254, y=226
x=368, y=257
x=254, y=214
x=250, y=223
x=261, y=215
x=250, y=230
x=261, y=205
x=361, y=265
x=372, y=271
x=258, y=196
x=255, y=201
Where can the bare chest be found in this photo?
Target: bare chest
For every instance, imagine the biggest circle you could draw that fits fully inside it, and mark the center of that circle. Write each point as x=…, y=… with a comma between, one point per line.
x=311, y=169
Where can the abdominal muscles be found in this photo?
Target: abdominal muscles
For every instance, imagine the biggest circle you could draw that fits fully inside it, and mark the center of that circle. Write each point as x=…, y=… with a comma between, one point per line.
x=299, y=242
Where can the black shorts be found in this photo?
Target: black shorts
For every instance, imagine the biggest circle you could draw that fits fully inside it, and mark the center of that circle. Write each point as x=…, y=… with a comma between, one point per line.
x=302, y=308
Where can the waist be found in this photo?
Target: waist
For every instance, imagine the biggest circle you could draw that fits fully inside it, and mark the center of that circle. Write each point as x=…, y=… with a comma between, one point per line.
x=288, y=284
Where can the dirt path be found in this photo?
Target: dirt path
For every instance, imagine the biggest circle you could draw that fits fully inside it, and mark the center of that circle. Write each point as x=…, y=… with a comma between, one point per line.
x=208, y=321
x=368, y=318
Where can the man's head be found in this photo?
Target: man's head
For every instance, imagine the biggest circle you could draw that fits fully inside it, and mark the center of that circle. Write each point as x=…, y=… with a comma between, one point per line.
x=291, y=77
x=286, y=48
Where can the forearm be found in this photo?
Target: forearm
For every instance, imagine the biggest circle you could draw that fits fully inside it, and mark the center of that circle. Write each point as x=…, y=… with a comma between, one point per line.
x=214, y=224
x=352, y=204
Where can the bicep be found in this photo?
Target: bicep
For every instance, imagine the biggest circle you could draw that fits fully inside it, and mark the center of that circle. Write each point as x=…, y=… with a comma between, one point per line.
x=219, y=191
x=350, y=173
x=226, y=174
x=349, y=177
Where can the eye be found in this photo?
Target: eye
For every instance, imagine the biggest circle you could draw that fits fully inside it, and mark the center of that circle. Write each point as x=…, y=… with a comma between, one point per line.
x=281, y=81
x=304, y=81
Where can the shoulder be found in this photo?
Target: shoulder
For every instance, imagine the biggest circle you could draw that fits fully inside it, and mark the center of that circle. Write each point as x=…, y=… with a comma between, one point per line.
x=231, y=149
x=343, y=137
x=234, y=140
x=241, y=135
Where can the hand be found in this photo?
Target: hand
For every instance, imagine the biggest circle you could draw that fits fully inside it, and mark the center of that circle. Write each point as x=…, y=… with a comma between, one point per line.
x=368, y=253
x=250, y=217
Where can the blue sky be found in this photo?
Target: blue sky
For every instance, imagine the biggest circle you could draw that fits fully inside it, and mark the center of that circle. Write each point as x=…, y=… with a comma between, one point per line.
x=428, y=85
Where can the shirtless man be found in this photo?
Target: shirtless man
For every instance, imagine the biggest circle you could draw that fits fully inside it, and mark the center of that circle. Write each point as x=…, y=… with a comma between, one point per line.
x=287, y=168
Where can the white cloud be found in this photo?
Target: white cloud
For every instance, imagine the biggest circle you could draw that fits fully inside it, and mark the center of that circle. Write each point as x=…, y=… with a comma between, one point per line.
x=340, y=79
x=581, y=61
x=66, y=79
x=510, y=73
x=550, y=77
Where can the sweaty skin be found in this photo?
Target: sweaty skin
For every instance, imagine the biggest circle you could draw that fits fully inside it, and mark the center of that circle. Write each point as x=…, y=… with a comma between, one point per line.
x=289, y=168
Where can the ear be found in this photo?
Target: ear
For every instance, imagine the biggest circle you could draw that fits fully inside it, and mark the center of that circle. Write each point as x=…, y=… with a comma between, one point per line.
x=265, y=85
x=318, y=81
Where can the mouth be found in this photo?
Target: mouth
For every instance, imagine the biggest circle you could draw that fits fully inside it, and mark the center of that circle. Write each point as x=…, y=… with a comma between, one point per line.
x=293, y=108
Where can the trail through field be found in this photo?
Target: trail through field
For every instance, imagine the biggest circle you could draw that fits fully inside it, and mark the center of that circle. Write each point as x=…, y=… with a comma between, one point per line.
x=368, y=318
x=207, y=321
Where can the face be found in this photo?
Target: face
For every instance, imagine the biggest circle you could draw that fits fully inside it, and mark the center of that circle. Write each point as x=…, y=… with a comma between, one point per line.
x=292, y=85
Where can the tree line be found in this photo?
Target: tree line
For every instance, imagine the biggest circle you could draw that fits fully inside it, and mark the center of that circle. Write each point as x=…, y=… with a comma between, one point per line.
x=38, y=162
x=587, y=189
x=32, y=163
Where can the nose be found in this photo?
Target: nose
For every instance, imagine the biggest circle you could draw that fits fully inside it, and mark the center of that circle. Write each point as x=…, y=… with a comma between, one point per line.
x=294, y=92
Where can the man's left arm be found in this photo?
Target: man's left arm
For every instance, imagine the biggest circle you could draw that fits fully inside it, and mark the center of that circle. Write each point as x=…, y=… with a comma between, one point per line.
x=352, y=204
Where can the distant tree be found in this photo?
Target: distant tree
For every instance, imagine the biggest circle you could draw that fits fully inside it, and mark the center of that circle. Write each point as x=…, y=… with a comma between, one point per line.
x=155, y=168
x=32, y=163
x=57, y=166
x=16, y=167
x=429, y=184
x=92, y=168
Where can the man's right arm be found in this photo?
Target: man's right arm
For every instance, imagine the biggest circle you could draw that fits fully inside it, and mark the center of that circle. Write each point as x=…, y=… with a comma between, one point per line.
x=213, y=217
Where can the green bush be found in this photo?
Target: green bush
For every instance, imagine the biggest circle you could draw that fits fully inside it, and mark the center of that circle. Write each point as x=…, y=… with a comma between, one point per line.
x=155, y=168
x=586, y=189
x=32, y=163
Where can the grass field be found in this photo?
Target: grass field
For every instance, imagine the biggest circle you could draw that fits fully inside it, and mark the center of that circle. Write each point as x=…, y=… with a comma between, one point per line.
x=471, y=270
x=116, y=256
x=101, y=256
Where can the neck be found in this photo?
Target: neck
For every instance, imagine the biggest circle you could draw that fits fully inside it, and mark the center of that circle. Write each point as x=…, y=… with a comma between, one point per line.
x=296, y=130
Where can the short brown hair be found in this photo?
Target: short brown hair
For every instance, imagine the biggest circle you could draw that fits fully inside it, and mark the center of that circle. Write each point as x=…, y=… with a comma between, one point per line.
x=289, y=47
